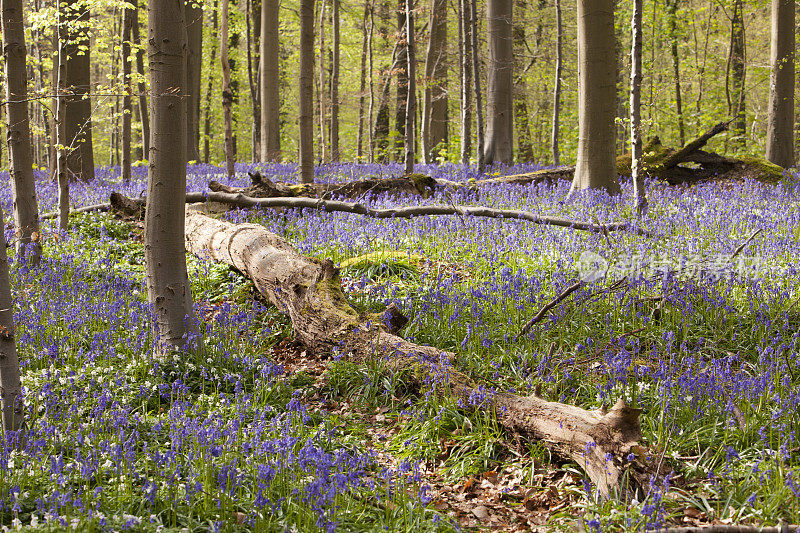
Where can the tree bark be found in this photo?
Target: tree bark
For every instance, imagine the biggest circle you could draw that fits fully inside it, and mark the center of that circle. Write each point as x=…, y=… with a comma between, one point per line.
x=476, y=78
x=736, y=77
x=597, y=97
x=227, y=94
x=402, y=81
x=309, y=291
x=640, y=200
x=434, y=111
x=194, y=61
x=23, y=187
x=77, y=122
x=557, y=86
x=144, y=116
x=10, y=383
x=465, y=64
x=521, y=121
x=210, y=86
x=334, y=129
x=672, y=19
x=411, y=87
x=168, y=286
x=127, y=26
x=362, y=82
x=322, y=150
x=254, y=81
x=499, y=92
x=62, y=171
x=306, y=82
x=270, y=99
x=780, y=121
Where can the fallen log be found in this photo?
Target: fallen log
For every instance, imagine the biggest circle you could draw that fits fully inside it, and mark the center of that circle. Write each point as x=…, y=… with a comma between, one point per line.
x=689, y=164
x=130, y=207
x=308, y=290
x=263, y=187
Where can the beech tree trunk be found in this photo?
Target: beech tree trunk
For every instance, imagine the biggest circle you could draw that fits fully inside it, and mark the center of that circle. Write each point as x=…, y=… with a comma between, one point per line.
x=476, y=78
x=672, y=19
x=334, y=129
x=434, y=111
x=597, y=97
x=270, y=99
x=402, y=81
x=499, y=92
x=127, y=26
x=306, y=81
x=736, y=77
x=210, y=86
x=362, y=83
x=194, y=62
x=780, y=120
x=557, y=86
x=640, y=200
x=520, y=104
x=62, y=171
x=10, y=384
x=411, y=87
x=227, y=94
x=77, y=83
x=309, y=291
x=168, y=286
x=465, y=70
x=144, y=116
x=23, y=187
x=254, y=81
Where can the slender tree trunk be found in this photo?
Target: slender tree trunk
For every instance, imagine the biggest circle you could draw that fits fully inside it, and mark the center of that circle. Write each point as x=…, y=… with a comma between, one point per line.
x=253, y=81
x=23, y=187
x=144, y=116
x=335, y=84
x=524, y=141
x=672, y=18
x=499, y=92
x=306, y=82
x=597, y=97
x=640, y=200
x=371, y=67
x=402, y=80
x=780, y=121
x=127, y=24
x=434, y=111
x=10, y=383
x=477, y=79
x=210, y=87
x=323, y=149
x=227, y=94
x=411, y=97
x=270, y=100
x=194, y=61
x=168, y=286
x=736, y=75
x=113, y=145
x=62, y=171
x=362, y=83
x=465, y=50
x=557, y=85
x=77, y=105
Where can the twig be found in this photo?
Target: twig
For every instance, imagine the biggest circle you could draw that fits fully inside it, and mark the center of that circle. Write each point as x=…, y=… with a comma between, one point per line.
x=745, y=243
x=543, y=311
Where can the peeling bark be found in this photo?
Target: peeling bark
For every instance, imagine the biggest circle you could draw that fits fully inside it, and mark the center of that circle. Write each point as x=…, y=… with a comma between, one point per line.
x=309, y=292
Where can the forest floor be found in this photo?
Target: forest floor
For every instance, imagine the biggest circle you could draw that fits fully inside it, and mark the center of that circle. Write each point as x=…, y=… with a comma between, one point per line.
x=252, y=432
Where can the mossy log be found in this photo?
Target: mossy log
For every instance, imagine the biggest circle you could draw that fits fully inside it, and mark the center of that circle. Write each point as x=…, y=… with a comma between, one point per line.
x=686, y=165
x=308, y=290
x=263, y=187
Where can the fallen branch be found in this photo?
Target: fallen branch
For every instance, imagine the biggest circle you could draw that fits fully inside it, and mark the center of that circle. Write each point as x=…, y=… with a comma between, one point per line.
x=543, y=311
x=309, y=292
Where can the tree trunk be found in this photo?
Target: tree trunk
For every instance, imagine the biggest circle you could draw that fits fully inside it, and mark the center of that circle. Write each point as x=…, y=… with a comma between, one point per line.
x=521, y=121
x=227, y=94
x=321, y=92
x=557, y=86
x=10, y=384
x=362, y=82
x=411, y=96
x=270, y=99
x=434, y=111
x=306, y=81
x=127, y=26
x=736, y=75
x=168, y=286
x=210, y=87
x=402, y=81
x=672, y=19
x=334, y=132
x=780, y=122
x=23, y=187
x=640, y=200
x=62, y=172
x=476, y=78
x=194, y=62
x=309, y=291
x=77, y=103
x=499, y=91
x=597, y=97
x=253, y=79
x=465, y=70
x=142, y=88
